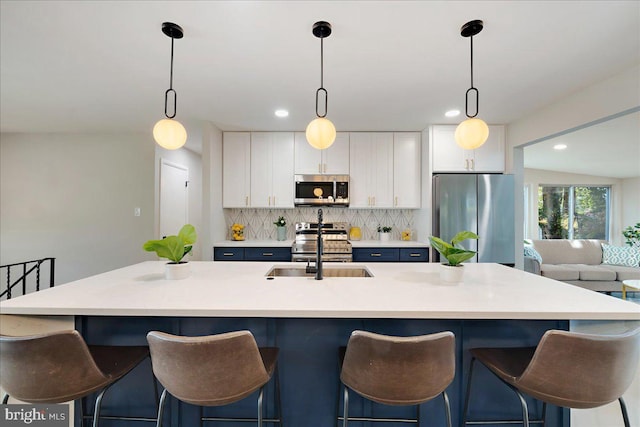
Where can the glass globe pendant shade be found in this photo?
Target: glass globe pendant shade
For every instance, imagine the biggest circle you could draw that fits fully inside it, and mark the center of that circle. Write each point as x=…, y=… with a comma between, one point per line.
x=169, y=134
x=321, y=133
x=471, y=133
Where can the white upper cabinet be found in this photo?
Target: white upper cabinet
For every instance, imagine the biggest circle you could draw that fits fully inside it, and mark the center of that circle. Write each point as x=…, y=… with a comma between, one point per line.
x=406, y=170
x=450, y=157
x=331, y=161
x=236, y=169
x=272, y=169
x=371, y=170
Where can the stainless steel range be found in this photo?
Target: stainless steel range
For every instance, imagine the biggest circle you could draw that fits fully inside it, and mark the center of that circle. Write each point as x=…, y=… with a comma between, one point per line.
x=335, y=240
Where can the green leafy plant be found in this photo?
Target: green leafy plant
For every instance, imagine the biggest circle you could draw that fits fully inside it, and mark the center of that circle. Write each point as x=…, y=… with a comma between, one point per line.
x=281, y=222
x=454, y=252
x=174, y=248
x=632, y=234
x=384, y=229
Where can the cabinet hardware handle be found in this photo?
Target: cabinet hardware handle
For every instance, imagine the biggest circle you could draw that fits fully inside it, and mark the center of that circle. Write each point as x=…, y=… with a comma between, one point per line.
x=274, y=200
x=227, y=254
x=414, y=255
x=267, y=253
x=246, y=200
x=473, y=166
x=374, y=200
x=396, y=201
x=269, y=200
x=369, y=201
x=376, y=254
x=324, y=168
x=319, y=167
x=466, y=164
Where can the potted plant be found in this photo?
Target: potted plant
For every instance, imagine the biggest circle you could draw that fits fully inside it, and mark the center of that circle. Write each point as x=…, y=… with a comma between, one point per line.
x=174, y=248
x=455, y=255
x=281, y=228
x=384, y=233
x=632, y=235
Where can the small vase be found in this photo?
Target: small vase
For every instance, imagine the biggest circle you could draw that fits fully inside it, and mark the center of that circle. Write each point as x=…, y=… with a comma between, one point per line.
x=384, y=237
x=282, y=233
x=451, y=274
x=177, y=271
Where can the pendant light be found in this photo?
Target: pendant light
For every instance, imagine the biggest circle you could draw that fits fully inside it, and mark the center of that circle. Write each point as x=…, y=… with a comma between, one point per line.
x=473, y=132
x=170, y=133
x=321, y=132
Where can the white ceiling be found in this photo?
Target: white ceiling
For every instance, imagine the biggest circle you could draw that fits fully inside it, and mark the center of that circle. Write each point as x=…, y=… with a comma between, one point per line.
x=85, y=66
x=610, y=149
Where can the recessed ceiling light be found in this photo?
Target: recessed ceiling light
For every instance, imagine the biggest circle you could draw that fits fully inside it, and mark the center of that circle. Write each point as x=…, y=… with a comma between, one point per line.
x=452, y=113
x=282, y=113
x=560, y=146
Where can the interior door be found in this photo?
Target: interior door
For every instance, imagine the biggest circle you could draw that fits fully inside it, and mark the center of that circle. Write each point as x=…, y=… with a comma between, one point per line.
x=174, y=181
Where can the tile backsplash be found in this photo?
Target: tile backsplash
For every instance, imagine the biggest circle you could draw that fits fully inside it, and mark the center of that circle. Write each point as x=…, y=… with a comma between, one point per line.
x=259, y=222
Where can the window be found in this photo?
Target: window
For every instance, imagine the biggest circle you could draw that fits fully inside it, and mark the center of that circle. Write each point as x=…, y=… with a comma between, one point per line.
x=573, y=212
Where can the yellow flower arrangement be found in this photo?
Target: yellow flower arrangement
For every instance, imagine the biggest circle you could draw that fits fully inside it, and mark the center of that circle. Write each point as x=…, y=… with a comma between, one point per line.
x=237, y=232
x=406, y=234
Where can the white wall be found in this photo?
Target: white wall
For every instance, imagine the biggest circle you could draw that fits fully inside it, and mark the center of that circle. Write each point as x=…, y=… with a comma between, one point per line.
x=193, y=162
x=72, y=197
x=214, y=228
x=535, y=177
x=631, y=205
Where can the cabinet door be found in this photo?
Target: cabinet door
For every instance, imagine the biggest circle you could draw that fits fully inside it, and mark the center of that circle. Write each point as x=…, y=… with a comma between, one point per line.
x=490, y=157
x=360, y=154
x=261, y=161
x=308, y=160
x=282, y=185
x=447, y=155
x=335, y=159
x=236, y=169
x=267, y=254
x=406, y=170
x=228, y=254
x=271, y=169
x=332, y=161
x=376, y=254
x=381, y=170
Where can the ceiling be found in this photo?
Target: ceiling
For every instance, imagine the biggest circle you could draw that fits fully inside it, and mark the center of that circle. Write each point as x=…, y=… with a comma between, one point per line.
x=610, y=149
x=103, y=66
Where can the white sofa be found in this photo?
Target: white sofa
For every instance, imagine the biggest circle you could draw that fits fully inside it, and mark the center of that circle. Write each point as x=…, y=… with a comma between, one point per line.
x=579, y=262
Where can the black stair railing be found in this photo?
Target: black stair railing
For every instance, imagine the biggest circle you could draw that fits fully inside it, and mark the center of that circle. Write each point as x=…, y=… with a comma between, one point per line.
x=28, y=276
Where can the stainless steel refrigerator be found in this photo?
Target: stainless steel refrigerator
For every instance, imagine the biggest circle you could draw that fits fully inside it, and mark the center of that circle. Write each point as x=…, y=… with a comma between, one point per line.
x=482, y=203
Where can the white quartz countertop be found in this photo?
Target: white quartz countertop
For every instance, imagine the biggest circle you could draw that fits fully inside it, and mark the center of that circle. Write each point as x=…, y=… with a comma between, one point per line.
x=288, y=243
x=397, y=290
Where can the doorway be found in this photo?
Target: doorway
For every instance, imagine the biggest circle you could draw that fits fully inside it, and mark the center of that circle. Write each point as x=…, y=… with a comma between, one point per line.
x=174, y=192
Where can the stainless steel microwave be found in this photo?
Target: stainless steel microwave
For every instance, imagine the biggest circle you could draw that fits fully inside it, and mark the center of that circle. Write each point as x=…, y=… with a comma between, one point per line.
x=321, y=190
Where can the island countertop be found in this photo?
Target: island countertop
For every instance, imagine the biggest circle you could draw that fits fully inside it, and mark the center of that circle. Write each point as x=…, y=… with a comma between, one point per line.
x=397, y=290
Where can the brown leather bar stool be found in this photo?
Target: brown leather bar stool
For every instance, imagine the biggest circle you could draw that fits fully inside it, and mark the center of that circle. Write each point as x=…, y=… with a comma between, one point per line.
x=568, y=369
x=214, y=370
x=400, y=371
x=59, y=367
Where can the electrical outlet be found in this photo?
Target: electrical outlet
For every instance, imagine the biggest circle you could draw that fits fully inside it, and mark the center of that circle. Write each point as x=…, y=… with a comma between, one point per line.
x=136, y=212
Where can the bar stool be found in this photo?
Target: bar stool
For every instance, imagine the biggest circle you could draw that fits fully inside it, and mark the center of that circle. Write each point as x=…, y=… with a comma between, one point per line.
x=400, y=371
x=59, y=367
x=214, y=370
x=568, y=369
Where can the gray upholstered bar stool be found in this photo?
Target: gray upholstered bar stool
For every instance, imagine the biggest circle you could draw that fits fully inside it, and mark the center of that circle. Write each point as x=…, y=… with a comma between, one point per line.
x=214, y=370
x=59, y=367
x=400, y=371
x=567, y=369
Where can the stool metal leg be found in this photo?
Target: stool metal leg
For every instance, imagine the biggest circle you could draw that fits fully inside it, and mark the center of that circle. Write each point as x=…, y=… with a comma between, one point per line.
x=625, y=415
x=163, y=397
x=345, y=414
x=260, y=406
x=98, y=406
x=447, y=408
x=468, y=393
x=278, y=398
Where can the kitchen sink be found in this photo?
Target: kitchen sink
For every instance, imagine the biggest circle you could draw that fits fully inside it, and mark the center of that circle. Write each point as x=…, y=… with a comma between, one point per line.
x=342, y=271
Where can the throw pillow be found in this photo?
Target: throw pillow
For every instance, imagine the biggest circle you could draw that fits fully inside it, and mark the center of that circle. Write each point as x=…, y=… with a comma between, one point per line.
x=531, y=252
x=620, y=255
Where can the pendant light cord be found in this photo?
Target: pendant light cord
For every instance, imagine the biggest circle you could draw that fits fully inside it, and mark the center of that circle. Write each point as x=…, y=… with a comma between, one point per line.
x=321, y=88
x=170, y=90
x=471, y=89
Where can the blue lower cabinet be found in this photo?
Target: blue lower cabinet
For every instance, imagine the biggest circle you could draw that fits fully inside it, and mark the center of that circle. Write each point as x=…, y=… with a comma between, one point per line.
x=228, y=254
x=267, y=254
x=414, y=255
x=376, y=254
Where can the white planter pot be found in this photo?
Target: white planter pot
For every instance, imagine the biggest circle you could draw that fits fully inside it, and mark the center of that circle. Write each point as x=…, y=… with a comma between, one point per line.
x=384, y=237
x=451, y=274
x=178, y=271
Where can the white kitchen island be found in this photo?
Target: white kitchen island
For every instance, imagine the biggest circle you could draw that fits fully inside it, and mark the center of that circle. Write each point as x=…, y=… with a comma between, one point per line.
x=309, y=319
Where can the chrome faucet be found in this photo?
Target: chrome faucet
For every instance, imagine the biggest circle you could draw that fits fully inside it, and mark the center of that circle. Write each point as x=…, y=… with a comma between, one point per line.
x=319, y=249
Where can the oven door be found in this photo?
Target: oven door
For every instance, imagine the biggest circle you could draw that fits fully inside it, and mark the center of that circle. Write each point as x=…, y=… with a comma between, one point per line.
x=309, y=193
